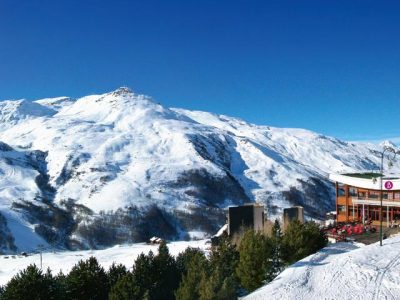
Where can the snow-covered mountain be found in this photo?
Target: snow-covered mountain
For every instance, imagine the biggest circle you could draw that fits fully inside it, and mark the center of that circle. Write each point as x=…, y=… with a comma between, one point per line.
x=116, y=167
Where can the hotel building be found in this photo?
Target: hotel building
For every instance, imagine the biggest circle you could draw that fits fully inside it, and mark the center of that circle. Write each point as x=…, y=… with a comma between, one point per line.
x=358, y=198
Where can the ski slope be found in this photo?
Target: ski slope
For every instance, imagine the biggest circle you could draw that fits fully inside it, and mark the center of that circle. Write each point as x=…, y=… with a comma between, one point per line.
x=340, y=271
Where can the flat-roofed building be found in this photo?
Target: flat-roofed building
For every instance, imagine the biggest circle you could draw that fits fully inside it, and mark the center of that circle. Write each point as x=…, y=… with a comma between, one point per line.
x=292, y=213
x=358, y=197
x=248, y=216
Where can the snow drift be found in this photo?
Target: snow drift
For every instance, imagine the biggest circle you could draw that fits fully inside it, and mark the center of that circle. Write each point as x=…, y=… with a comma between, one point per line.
x=340, y=271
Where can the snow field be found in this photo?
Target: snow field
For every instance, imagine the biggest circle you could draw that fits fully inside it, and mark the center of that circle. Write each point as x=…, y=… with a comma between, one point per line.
x=65, y=260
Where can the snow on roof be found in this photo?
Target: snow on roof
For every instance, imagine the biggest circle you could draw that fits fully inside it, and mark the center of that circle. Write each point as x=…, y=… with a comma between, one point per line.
x=340, y=271
x=367, y=181
x=222, y=230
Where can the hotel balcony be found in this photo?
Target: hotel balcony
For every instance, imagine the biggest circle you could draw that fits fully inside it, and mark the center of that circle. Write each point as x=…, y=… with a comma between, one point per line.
x=375, y=201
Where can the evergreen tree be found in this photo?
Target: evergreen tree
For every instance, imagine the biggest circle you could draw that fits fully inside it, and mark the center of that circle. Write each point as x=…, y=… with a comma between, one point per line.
x=217, y=287
x=125, y=289
x=154, y=277
x=292, y=242
x=315, y=237
x=228, y=289
x=166, y=275
x=276, y=243
x=32, y=283
x=184, y=258
x=143, y=275
x=116, y=272
x=60, y=279
x=254, y=263
x=87, y=280
x=222, y=281
x=197, y=269
x=301, y=240
x=225, y=257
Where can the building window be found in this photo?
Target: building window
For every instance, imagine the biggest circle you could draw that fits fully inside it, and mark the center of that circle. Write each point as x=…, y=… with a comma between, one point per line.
x=341, y=190
x=352, y=211
x=374, y=214
x=353, y=192
x=373, y=195
x=362, y=195
x=396, y=195
x=342, y=209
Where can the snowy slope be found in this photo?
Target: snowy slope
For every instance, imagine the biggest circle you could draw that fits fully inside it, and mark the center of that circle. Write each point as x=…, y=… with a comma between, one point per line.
x=14, y=112
x=118, y=167
x=340, y=271
x=64, y=261
x=18, y=181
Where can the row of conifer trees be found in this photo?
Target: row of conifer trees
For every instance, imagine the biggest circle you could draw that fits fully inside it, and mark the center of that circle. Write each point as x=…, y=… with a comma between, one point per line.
x=227, y=272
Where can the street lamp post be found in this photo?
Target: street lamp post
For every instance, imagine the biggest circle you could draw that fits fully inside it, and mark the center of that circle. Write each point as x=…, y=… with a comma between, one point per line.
x=40, y=247
x=394, y=152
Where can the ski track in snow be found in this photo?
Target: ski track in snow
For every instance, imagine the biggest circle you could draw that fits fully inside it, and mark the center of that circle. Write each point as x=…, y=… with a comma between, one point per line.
x=381, y=274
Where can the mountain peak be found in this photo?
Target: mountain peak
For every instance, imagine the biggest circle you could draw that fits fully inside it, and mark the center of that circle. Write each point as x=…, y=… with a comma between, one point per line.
x=13, y=111
x=121, y=91
x=388, y=144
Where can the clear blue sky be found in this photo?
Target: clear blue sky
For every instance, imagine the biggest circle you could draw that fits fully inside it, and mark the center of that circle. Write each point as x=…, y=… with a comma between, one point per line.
x=329, y=66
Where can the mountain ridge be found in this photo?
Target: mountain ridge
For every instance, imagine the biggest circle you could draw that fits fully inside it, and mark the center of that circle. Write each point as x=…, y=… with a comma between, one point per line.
x=121, y=163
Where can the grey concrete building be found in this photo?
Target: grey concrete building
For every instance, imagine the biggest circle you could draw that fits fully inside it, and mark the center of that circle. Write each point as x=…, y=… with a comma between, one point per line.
x=248, y=216
x=292, y=213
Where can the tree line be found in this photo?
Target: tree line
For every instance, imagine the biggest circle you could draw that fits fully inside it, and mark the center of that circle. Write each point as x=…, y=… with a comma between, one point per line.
x=227, y=272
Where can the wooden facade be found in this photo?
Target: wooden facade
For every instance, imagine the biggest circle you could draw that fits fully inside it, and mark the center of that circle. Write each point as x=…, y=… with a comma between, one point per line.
x=354, y=203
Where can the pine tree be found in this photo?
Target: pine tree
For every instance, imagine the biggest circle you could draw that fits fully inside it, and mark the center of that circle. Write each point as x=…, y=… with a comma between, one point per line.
x=166, y=274
x=276, y=243
x=208, y=285
x=116, y=272
x=255, y=255
x=225, y=257
x=228, y=289
x=125, y=289
x=143, y=275
x=292, y=242
x=184, y=258
x=315, y=238
x=217, y=287
x=301, y=240
x=153, y=277
x=197, y=269
x=87, y=280
x=222, y=282
x=60, y=279
x=32, y=283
